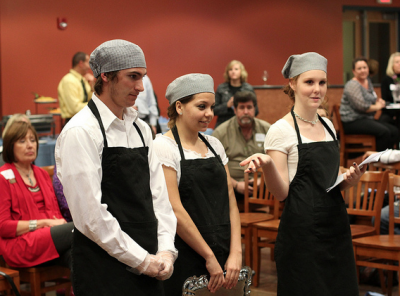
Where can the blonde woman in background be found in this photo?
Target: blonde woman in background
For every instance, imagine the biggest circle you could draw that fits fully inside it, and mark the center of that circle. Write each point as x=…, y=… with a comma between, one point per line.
x=391, y=83
x=235, y=76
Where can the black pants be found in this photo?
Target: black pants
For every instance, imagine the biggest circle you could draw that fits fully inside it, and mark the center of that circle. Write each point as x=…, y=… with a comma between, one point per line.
x=62, y=239
x=386, y=134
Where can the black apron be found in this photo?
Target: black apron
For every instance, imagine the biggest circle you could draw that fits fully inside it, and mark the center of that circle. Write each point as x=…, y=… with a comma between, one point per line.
x=314, y=251
x=203, y=190
x=126, y=190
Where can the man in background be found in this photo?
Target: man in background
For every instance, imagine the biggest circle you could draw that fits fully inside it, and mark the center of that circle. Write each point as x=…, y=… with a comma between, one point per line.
x=146, y=105
x=76, y=87
x=242, y=136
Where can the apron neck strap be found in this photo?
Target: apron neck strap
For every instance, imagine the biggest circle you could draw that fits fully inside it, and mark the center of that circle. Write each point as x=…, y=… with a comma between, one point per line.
x=178, y=141
x=327, y=127
x=208, y=144
x=296, y=126
x=96, y=113
x=140, y=133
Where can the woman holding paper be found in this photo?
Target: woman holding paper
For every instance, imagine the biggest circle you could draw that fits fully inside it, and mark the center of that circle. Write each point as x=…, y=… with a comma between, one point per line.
x=314, y=239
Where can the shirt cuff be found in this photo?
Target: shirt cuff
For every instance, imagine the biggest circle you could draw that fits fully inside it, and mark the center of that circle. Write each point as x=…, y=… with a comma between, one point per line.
x=133, y=260
x=153, y=121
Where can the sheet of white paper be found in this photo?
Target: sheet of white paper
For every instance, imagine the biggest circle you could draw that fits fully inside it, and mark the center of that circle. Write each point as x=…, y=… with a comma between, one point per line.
x=372, y=158
x=339, y=180
x=393, y=106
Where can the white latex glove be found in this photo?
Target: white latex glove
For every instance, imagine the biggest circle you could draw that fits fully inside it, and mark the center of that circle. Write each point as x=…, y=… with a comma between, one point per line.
x=168, y=258
x=150, y=266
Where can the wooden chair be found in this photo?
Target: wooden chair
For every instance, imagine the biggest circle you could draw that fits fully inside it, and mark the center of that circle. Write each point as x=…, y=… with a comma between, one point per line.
x=247, y=219
x=372, y=250
x=391, y=167
x=5, y=285
x=50, y=170
x=45, y=279
x=264, y=236
x=365, y=201
x=351, y=143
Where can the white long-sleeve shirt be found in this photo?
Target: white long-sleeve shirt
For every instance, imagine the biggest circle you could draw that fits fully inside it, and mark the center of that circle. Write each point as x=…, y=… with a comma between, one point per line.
x=78, y=156
x=146, y=102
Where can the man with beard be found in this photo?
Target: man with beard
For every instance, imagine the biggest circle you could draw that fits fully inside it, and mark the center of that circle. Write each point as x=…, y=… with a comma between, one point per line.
x=242, y=136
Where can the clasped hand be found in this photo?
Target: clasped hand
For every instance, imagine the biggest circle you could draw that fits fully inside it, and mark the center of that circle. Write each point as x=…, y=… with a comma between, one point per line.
x=159, y=266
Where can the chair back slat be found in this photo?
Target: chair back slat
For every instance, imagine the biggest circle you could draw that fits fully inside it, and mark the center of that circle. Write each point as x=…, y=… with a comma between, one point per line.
x=261, y=195
x=392, y=167
x=366, y=198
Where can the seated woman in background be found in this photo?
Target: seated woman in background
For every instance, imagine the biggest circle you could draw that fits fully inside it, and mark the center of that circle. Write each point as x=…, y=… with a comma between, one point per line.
x=32, y=230
x=57, y=186
x=390, y=83
x=359, y=105
x=235, y=76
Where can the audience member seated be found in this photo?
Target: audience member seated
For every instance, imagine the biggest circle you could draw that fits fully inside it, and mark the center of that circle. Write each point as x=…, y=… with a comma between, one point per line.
x=359, y=105
x=235, y=76
x=390, y=84
x=242, y=136
x=389, y=156
x=32, y=230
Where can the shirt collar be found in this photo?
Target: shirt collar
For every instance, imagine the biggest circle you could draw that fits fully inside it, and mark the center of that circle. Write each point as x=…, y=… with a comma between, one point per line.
x=76, y=74
x=107, y=117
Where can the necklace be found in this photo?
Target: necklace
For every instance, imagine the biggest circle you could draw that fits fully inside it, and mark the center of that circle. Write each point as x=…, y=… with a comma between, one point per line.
x=27, y=175
x=36, y=189
x=313, y=122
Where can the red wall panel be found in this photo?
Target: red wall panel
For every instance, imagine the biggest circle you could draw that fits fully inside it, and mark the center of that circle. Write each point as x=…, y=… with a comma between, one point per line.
x=178, y=37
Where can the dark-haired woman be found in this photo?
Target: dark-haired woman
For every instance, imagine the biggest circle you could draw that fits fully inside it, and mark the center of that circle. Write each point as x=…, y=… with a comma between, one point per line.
x=358, y=106
x=199, y=188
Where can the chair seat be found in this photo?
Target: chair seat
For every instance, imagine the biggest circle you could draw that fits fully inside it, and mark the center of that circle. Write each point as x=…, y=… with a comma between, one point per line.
x=379, y=241
x=247, y=219
x=361, y=230
x=268, y=225
x=4, y=284
x=36, y=276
